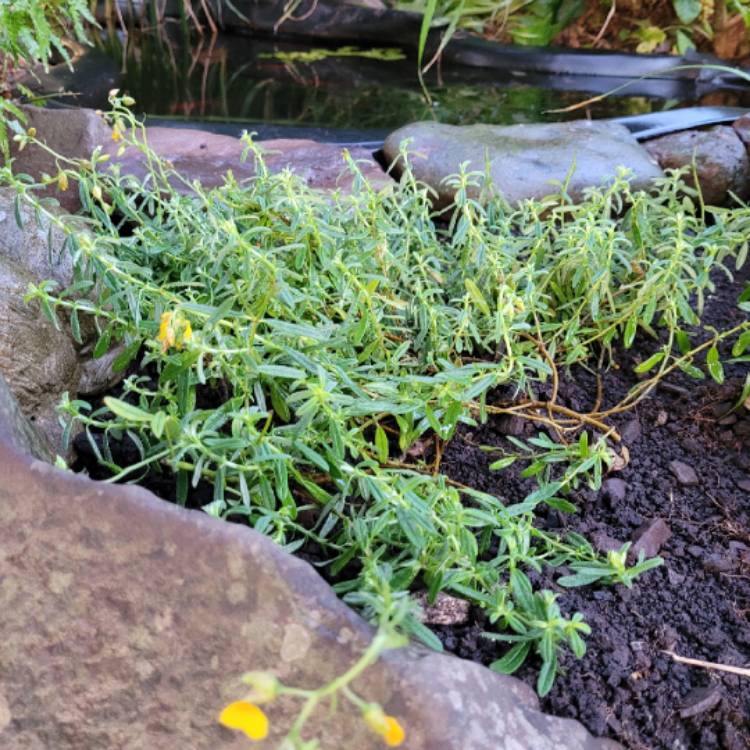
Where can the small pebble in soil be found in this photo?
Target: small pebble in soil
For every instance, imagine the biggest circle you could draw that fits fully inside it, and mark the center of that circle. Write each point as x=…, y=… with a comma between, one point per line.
x=614, y=490
x=700, y=700
x=744, y=485
x=684, y=473
x=649, y=538
x=662, y=418
x=445, y=610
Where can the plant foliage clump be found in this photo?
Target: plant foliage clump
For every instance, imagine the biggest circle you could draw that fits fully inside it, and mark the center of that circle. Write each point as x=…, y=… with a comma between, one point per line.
x=346, y=330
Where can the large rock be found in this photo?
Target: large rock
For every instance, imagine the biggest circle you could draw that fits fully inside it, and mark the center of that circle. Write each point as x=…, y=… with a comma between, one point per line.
x=73, y=133
x=39, y=361
x=16, y=430
x=719, y=155
x=127, y=621
x=526, y=161
x=207, y=157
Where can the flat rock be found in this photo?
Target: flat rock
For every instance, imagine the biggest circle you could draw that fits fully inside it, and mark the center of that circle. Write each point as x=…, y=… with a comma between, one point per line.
x=73, y=133
x=721, y=160
x=684, y=473
x=207, y=157
x=700, y=700
x=649, y=538
x=525, y=161
x=127, y=622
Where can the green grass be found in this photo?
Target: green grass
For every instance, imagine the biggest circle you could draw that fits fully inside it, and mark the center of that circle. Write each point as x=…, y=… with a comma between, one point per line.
x=345, y=330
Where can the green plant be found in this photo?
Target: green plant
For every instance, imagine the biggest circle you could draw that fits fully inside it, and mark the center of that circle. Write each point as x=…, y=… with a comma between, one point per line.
x=297, y=351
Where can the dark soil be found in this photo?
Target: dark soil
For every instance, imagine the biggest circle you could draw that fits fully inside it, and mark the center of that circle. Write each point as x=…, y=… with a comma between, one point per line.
x=697, y=604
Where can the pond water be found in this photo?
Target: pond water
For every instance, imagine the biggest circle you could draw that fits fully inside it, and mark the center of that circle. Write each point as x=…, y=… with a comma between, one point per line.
x=243, y=79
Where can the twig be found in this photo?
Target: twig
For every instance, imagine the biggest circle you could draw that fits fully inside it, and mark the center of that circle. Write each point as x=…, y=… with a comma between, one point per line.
x=607, y=21
x=741, y=671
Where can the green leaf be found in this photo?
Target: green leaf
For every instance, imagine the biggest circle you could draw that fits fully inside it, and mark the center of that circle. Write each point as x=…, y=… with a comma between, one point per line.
x=546, y=676
x=502, y=463
x=381, y=444
x=513, y=659
x=630, y=328
x=652, y=361
x=715, y=368
x=522, y=591
x=125, y=357
x=687, y=10
x=582, y=578
x=126, y=411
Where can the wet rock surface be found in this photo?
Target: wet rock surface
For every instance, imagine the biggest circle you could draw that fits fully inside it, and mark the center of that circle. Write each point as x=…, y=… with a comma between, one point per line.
x=127, y=622
x=720, y=157
x=525, y=161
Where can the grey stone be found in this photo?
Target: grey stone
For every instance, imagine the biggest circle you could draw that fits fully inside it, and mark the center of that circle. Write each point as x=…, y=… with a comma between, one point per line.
x=615, y=489
x=684, y=473
x=39, y=361
x=207, y=157
x=525, y=161
x=649, y=538
x=699, y=700
x=744, y=485
x=631, y=432
x=127, y=622
x=17, y=430
x=445, y=610
x=73, y=133
x=720, y=157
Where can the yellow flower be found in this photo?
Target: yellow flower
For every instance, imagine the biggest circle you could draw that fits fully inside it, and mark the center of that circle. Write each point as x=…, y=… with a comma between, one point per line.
x=62, y=181
x=116, y=134
x=174, y=331
x=245, y=717
x=386, y=726
x=32, y=132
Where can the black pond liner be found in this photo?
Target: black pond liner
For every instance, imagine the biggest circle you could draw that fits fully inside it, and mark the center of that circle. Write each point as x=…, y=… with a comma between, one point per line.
x=339, y=21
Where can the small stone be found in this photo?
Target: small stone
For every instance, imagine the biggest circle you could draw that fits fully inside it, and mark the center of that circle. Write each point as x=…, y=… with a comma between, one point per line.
x=510, y=424
x=700, y=700
x=662, y=418
x=728, y=421
x=649, y=538
x=675, y=578
x=717, y=156
x=615, y=490
x=684, y=474
x=716, y=563
x=631, y=432
x=446, y=609
x=744, y=485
